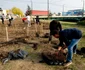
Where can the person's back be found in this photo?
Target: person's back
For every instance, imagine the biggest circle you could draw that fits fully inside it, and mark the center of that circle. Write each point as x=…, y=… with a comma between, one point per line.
x=28, y=17
x=37, y=20
x=28, y=20
x=68, y=34
x=71, y=33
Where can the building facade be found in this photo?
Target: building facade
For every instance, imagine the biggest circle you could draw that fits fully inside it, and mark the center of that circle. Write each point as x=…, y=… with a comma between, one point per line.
x=75, y=12
x=39, y=13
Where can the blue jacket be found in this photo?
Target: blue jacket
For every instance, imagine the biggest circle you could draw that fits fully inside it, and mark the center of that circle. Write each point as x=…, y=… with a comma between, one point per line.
x=68, y=34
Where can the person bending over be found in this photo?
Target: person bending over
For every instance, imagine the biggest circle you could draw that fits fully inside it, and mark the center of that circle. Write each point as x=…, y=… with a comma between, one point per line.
x=70, y=37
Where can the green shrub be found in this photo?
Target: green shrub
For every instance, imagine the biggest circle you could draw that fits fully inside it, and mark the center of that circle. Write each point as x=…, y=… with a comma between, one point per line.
x=81, y=22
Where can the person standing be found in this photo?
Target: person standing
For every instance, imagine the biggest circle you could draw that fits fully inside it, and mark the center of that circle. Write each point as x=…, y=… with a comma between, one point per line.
x=10, y=19
x=28, y=20
x=37, y=26
x=37, y=20
x=27, y=24
x=2, y=18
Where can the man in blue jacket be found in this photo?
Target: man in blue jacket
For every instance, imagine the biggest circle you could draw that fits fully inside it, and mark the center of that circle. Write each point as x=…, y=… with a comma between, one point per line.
x=69, y=37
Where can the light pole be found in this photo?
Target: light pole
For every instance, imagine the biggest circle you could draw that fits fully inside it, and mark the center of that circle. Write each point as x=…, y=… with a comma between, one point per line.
x=31, y=5
x=63, y=10
x=83, y=9
x=48, y=8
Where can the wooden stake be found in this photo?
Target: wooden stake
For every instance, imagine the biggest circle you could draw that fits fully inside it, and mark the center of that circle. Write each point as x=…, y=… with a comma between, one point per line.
x=7, y=34
x=35, y=27
x=27, y=30
x=42, y=27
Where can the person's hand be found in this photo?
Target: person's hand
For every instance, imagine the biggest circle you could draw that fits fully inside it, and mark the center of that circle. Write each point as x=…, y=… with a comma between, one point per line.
x=63, y=51
x=64, y=47
x=59, y=48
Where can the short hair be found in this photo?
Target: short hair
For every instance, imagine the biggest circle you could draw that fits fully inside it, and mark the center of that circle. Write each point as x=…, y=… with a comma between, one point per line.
x=37, y=16
x=55, y=27
x=53, y=32
x=54, y=24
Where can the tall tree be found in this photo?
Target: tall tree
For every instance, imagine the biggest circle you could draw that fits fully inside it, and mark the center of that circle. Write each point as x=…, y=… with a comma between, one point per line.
x=17, y=11
x=28, y=11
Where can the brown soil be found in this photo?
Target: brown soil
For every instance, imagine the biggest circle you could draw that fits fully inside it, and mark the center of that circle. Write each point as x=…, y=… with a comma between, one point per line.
x=19, y=39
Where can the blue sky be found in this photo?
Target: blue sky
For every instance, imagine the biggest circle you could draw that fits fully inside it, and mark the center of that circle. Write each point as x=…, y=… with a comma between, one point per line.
x=54, y=5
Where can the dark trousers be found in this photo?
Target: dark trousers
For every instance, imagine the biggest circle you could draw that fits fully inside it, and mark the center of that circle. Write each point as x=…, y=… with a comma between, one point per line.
x=10, y=20
x=2, y=20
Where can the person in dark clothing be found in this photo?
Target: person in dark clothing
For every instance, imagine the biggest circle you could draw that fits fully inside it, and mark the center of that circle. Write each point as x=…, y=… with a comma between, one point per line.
x=37, y=20
x=2, y=18
x=37, y=26
x=69, y=37
x=53, y=25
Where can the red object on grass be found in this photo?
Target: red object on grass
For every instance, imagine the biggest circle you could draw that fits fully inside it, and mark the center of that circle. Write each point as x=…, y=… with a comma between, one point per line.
x=24, y=18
